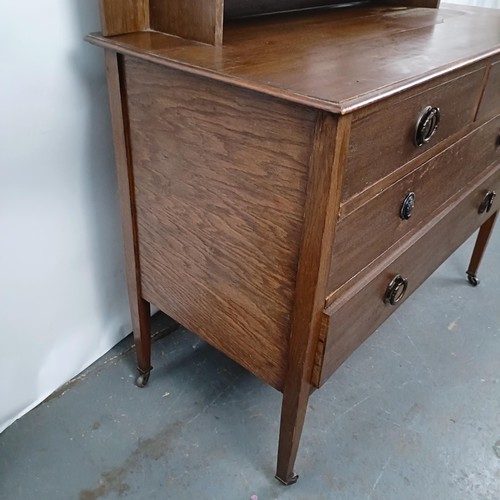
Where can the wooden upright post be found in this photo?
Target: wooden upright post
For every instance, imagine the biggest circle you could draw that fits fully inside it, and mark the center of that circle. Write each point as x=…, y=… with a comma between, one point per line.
x=124, y=16
x=322, y=205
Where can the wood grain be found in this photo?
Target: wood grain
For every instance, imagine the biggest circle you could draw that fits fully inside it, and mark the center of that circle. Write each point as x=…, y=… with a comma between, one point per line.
x=220, y=191
x=139, y=308
x=124, y=16
x=349, y=323
x=384, y=141
x=434, y=183
x=323, y=199
x=326, y=60
x=356, y=202
x=490, y=102
x=200, y=20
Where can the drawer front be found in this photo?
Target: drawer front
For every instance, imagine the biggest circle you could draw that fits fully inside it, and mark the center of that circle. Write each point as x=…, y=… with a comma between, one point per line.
x=382, y=222
x=385, y=140
x=351, y=320
x=490, y=102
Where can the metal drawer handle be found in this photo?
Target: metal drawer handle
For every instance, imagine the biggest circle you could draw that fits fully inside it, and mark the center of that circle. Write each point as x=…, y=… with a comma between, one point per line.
x=396, y=290
x=487, y=202
x=427, y=125
x=498, y=141
x=407, y=206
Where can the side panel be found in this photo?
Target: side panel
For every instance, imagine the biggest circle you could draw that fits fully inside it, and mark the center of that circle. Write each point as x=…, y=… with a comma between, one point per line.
x=220, y=184
x=124, y=16
x=199, y=20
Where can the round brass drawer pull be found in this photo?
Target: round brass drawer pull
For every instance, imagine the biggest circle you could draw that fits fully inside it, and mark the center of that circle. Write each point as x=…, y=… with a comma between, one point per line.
x=407, y=206
x=396, y=290
x=487, y=202
x=427, y=125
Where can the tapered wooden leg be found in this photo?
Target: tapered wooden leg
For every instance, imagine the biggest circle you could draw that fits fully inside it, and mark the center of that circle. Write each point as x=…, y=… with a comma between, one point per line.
x=141, y=323
x=322, y=205
x=293, y=413
x=481, y=244
x=140, y=309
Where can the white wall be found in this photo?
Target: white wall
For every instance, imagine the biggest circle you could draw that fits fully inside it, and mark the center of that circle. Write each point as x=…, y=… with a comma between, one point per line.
x=63, y=297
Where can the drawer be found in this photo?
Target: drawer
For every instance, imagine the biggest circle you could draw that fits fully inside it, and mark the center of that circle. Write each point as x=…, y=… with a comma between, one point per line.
x=373, y=228
x=385, y=140
x=490, y=102
x=353, y=317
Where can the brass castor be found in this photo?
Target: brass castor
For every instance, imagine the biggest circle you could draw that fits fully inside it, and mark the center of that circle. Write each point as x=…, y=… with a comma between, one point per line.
x=291, y=480
x=142, y=379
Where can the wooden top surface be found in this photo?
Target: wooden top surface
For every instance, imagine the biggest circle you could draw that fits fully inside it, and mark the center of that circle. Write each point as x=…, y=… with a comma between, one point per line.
x=335, y=59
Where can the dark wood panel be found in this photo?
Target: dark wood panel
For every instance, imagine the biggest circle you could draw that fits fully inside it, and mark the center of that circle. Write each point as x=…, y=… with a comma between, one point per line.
x=200, y=20
x=384, y=141
x=220, y=191
x=124, y=16
x=431, y=4
x=339, y=60
x=490, y=102
x=238, y=8
x=353, y=319
x=434, y=183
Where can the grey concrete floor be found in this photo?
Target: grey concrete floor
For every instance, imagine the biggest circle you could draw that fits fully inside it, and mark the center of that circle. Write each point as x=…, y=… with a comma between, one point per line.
x=413, y=414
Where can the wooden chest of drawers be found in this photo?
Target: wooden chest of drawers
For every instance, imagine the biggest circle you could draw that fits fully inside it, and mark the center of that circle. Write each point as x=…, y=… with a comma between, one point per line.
x=283, y=193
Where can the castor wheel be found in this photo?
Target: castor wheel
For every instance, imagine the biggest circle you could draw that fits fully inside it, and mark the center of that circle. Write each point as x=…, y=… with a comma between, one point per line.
x=473, y=279
x=142, y=379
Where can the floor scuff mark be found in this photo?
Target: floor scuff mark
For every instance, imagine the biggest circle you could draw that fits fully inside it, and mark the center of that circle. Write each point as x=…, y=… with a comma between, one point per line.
x=379, y=477
x=453, y=325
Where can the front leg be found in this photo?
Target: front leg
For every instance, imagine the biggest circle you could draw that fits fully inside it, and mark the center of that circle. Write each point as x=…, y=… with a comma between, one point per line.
x=139, y=308
x=322, y=205
x=479, y=249
x=293, y=413
x=141, y=323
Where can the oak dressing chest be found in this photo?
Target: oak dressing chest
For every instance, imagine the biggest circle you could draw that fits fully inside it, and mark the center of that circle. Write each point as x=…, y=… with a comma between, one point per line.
x=288, y=179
